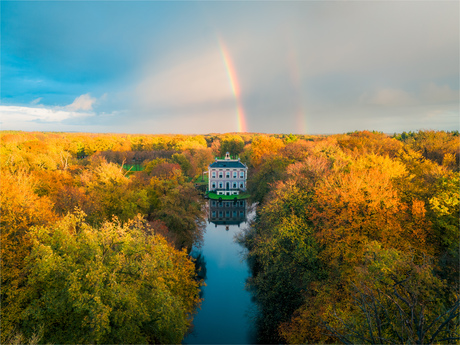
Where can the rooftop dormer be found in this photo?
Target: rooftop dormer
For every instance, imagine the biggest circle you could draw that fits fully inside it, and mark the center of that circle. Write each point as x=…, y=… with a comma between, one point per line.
x=227, y=156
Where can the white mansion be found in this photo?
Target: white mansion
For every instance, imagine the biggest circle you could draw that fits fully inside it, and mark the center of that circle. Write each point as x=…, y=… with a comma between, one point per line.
x=227, y=176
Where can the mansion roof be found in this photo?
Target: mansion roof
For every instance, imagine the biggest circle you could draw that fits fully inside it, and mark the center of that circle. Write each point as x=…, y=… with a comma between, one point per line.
x=227, y=164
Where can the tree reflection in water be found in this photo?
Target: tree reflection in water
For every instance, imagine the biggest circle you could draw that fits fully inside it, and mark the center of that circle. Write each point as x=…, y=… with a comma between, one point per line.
x=227, y=310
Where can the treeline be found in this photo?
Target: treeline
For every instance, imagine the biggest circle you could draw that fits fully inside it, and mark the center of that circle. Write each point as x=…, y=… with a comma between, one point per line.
x=93, y=252
x=356, y=238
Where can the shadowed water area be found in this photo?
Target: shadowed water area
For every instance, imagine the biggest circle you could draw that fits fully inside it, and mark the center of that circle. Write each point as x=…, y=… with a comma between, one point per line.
x=227, y=311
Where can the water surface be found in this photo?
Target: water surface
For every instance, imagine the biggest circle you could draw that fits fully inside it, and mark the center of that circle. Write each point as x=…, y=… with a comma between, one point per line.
x=226, y=311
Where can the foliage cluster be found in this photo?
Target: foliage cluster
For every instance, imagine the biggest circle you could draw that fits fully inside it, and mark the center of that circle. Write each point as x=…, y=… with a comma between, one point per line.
x=78, y=264
x=356, y=238
x=109, y=284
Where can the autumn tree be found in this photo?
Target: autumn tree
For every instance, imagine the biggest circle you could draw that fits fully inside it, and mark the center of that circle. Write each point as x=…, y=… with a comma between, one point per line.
x=270, y=171
x=201, y=159
x=283, y=251
x=358, y=203
x=179, y=207
x=110, y=194
x=439, y=146
x=166, y=170
x=233, y=144
x=396, y=301
x=21, y=208
x=263, y=146
x=349, y=194
x=366, y=142
x=112, y=284
x=183, y=159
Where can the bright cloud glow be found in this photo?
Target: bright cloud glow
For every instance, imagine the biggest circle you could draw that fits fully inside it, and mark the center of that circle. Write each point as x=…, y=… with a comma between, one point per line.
x=15, y=114
x=83, y=102
x=14, y=117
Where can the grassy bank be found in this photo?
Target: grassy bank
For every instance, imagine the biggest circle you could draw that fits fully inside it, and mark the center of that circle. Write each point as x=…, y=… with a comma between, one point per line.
x=214, y=196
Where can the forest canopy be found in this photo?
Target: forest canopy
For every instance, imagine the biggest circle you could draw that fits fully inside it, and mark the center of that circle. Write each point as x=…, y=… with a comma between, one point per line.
x=356, y=238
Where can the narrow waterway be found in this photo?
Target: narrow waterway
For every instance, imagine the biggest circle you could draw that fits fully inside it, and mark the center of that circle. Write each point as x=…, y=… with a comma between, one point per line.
x=227, y=311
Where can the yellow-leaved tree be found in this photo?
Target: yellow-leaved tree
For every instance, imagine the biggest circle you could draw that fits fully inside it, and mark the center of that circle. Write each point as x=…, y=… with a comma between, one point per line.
x=107, y=285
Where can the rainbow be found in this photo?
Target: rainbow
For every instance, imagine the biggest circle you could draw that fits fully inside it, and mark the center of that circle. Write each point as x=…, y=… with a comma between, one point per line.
x=231, y=73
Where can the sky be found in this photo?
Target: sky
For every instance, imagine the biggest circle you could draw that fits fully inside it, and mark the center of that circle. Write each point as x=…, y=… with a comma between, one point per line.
x=302, y=67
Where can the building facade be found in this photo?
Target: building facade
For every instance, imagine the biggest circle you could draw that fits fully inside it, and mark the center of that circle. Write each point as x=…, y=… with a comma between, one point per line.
x=227, y=176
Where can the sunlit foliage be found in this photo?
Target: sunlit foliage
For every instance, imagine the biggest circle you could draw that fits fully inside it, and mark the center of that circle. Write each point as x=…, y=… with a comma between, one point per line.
x=356, y=237
x=353, y=222
x=62, y=282
x=112, y=284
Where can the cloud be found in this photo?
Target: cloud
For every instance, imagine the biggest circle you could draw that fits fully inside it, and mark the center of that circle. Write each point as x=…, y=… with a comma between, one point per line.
x=18, y=114
x=434, y=93
x=36, y=101
x=103, y=97
x=41, y=118
x=429, y=94
x=83, y=102
x=392, y=97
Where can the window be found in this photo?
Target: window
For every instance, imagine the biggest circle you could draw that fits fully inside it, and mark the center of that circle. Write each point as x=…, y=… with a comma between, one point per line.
x=214, y=174
x=220, y=185
x=220, y=174
x=241, y=185
x=213, y=185
x=213, y=214
x=234, y=185
x=227, y=174
x=241, y=174
x=234, y=174
x=213, y=203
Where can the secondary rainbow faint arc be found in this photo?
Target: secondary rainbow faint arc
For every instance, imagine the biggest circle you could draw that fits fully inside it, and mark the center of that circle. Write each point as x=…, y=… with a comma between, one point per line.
x=231, y=73
x=295, y=76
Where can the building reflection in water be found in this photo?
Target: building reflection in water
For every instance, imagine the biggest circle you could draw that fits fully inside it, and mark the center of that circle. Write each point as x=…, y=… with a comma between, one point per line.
x=226, y=213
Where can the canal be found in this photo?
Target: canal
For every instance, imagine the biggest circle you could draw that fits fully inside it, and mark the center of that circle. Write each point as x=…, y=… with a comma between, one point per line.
x=227, y=311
